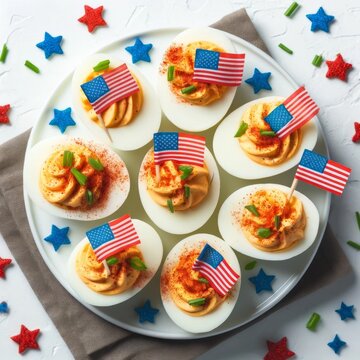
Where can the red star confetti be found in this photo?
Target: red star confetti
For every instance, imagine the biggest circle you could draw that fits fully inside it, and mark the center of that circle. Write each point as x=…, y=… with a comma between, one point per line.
x=3, y=264
x=278, y=350
x=356, y=136
x=4, y=119
x=338, y=68
x=93, y=17
x=26, y=339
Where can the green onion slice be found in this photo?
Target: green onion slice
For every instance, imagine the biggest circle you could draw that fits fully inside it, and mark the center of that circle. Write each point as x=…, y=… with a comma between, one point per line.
x=277, y=221
x=318, y=60
x=354, y=245
x=188, y=90
x=170, y=205
x=4, y=53
x=197, y=302
x=32, y=67
x=102, y=65
x=137, y=264
x=113, y=260
x=250, y=265
x=96, y=164
x=313, y=321
x=357, y=215
x=285, y=48
x=203, y=280
x=186, y=171
x=79, y=176
x=187, y=191
x=89, y=197
x=264, y=232
x=267, y=133
x=252, y=209
x=242, y=129
x=291, y=9
x=68, y=158
x=170, y=73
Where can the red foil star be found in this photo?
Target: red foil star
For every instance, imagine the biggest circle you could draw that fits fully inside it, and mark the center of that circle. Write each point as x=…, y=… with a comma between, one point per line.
x=3, y=264
x=26, y=339
x=4, y=119
x=338, y=68
x=278, y=350
x=356, y=136
x=93, y=17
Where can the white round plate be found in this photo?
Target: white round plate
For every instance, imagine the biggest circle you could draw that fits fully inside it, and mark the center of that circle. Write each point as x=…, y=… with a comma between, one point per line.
x=182, y=222
x=233, y=235
x=152, y=250
x=252, y=305
x=232, y=157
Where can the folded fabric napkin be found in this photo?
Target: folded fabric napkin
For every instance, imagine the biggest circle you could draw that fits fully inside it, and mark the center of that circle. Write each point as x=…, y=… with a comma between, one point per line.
x=80, y=327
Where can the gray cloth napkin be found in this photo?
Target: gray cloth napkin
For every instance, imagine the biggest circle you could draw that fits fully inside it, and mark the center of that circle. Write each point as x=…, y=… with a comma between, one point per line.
x=79, y=327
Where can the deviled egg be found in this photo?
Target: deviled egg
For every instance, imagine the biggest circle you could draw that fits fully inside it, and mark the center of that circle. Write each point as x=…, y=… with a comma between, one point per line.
x=129, y=122
x=206, y=104
x=75, y=178
x=243, y=152
x=261, y=222
x=188, y=298
x=129, y=274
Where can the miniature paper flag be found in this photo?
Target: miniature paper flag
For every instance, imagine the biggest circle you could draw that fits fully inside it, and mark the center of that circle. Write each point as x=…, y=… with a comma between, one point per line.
x=218, y=67
x=179, y=147
x=115, y=236
x=293, y=113
x=212, y=266
x=107, y=89
x=318, y=170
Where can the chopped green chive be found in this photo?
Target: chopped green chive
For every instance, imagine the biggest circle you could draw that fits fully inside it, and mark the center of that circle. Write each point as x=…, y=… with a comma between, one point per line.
x=32, y=67
x=170, y=205
x=203, y=280
x=4, y=53
x=113, y=260
x=285, y=48
x=267, y=133
x=250, y=265
x=170, y=73
x=80, y=177
x=197, y=302
x=187, y=191
x=354, y=244
x=277, y=221
x=313, y=321
x=96, y=164
x=186, y=171
x=68, y=158
x=102, y=65
x=357, y=215
x=291, y=9
x=252, y=209
x=188, y=90
x=242, y=129
x=137, y=264
x=318, y=60
x=264, y=232
x=89, y=197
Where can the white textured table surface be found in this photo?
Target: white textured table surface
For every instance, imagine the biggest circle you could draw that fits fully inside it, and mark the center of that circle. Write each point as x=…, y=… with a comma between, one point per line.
x=22, y=24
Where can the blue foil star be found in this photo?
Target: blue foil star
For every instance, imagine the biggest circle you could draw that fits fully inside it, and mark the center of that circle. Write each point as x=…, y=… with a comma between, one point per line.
x=259, y=81
x=139, y=51
x=58, y=237
x=4, y=307
x=262, y=281
x=146, y=312
x=50, y=45
x=62, y=119
x=346, y=312
x=337, y=344
x=320, y=20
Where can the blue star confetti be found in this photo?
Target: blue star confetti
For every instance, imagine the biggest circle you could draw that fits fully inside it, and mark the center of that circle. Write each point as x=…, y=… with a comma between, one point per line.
x=259, y=81
x=146, y=312
x=320, y=20
x=4, y=307
x=337, y=344
x=62, y=119
x=139, y=51
x=50, y=45
x=262, y=281
x=58, y=237
x=345, y=311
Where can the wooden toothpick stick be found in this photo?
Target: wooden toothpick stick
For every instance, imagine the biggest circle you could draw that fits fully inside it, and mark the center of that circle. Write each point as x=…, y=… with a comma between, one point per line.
x=292, y=189
x=106, y=266
x=102, y=124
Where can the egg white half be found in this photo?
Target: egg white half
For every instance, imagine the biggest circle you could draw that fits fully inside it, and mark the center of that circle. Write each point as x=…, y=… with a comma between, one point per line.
x=39, y=153
x=132, y=136
x=152, y=250
x=215, y=318
x=189, y=117
x=181, y=222
x=232, y=157
x=234, y=236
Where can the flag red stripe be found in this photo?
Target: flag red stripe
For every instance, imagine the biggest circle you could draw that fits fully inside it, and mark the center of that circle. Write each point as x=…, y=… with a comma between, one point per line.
x=319, y=185
x=208, y=273
x=321, y=176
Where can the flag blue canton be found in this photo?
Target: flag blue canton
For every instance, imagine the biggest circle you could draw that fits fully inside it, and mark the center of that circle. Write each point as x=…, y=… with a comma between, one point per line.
x=210, y=256
x=207, y=59
x=278, y=118
x=100, y=235
x=313, y=161
x=166, y=141
x=95, y=88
